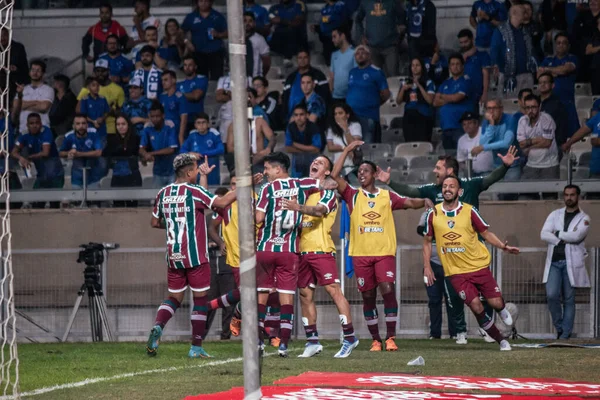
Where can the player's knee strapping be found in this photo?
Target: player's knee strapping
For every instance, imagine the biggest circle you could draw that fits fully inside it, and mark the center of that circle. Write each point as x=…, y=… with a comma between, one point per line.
x=198, y=318
x=390, y=308
x=166, y=310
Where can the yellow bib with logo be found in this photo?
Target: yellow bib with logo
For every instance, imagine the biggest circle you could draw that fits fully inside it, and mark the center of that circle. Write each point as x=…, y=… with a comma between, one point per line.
x=231, y=236
x=372, y=227
x=316, y=232
x=458, y=245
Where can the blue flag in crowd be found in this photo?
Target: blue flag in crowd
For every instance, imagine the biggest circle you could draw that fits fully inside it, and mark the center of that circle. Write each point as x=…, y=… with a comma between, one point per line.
x=345, y=234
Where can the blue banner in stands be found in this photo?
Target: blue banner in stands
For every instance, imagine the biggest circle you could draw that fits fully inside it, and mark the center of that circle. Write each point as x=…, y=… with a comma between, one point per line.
x=345, y=234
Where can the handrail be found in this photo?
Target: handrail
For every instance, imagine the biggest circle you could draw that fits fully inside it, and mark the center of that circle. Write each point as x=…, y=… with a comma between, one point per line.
x=69, y=64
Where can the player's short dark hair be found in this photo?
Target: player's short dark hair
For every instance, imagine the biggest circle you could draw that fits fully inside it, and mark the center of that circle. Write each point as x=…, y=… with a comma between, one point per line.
x=91, y=79
x=452, y=176
x=370, y=163
x=63, y=79
x=303, y=50
x=112, y=36
x=307, y=74
x=457, y=56
x=148, y=49
x=570, y=186
x=190, y=57
x=151, y=28
x=465, y=33
x=279, y=158
x=523, y=91
x=531, y=97
x=249, y=14
x=221, y=191
x=546, y=74
x=39, y=63
x=343, y=30
x=330, y=168
x=450, y=162
x=33, y=115
x=202, y=115
x=563, y=34
x=144, y=2
x=156, y=106
x=262, y=80
x=80, y=115
x=170, y=73
x=106, y=5
x=300, y=106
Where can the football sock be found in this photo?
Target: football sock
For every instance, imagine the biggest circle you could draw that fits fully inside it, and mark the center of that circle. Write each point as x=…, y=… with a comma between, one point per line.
x=312, y=336
x=199, y=320
x=262, y=312
x=273, y=317
x=165, y=311
x=487, y=324
x=287, y=320
x=390, y=308
x=349, y=332
x=370, y=313
x=228, y=299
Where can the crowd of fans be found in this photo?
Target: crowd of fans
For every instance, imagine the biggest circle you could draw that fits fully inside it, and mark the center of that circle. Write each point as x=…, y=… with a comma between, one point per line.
x=134, y=111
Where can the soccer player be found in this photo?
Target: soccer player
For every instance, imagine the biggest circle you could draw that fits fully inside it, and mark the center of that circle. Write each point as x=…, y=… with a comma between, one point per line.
x=471, y=188
x=317, y=262
x=456, y=227
x=278, y=239
x=179, y=208
x=373, y=243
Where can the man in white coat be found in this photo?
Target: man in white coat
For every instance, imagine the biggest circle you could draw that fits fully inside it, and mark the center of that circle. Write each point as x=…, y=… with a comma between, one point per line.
x=565, y=230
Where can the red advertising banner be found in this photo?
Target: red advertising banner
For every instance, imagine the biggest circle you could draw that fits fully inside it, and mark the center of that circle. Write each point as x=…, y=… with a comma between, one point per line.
x=536, y=386
x=304, y=393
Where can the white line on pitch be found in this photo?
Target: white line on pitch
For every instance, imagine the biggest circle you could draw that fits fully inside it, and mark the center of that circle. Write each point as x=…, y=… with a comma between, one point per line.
x=90, y=381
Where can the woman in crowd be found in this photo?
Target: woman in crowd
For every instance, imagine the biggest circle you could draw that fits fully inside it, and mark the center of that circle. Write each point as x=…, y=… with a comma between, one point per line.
x=417, y=92
x=122, y=149
x=343, y=129
x=175, y=44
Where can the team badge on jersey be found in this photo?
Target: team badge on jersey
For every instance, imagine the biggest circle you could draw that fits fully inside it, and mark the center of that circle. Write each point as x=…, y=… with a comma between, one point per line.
x=371, y=204
x=361, y=282
x=450, y=224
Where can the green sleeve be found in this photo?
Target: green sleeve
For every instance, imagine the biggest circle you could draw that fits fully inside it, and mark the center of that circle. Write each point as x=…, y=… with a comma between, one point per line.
x=405, y=190
x=494, y=176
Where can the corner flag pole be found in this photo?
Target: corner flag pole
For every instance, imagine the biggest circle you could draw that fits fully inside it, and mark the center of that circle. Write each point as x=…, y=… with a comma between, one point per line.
x=239, y=98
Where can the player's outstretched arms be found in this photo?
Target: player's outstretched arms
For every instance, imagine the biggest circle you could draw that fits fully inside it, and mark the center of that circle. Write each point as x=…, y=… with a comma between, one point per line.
x=339, y=165
x=415, y=204
x=315, y=211
x=492, y=239
x=498, y=174
x=222, y=202
x=428, y=275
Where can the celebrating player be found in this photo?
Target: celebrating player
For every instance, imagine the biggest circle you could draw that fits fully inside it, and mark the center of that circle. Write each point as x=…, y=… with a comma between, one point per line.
x=278, y=238
x=471, y=189
x=373, y=243
x=179, y=208
x=455, y=227
x=317, y=262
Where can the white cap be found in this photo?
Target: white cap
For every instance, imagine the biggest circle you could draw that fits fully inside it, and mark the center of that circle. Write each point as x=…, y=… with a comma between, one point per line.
x=101, y=63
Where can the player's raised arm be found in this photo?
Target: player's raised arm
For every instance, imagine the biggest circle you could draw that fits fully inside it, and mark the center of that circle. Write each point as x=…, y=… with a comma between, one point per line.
x=205, y=170
x=416, y=204
x=339, y=165
x=498, y=174
x=315, y=211
x=222, y=202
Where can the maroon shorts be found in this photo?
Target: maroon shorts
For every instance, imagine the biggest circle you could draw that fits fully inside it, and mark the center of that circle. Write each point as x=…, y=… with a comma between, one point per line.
x=276, y=270
x=197, y=278
x=318, y=269
x=469, y=285
x=371, y=271
x=236, y=276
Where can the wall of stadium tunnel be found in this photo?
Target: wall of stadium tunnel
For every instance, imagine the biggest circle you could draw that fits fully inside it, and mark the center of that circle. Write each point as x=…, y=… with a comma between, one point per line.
x=47, y=276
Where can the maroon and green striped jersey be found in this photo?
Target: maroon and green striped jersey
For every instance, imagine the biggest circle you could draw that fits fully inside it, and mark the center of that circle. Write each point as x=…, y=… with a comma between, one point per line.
x=182, y=208
x=281, y=228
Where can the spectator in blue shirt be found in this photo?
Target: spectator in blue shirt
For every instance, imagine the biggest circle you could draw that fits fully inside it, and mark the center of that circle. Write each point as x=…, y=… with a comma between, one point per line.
x=289, y=36
x=137, y=107
x=512, y=53
x=453, y=101
x=119, y=66
x=477, y=66
x=194, y=88
x=160, y=53
x=417, y=93
x=174, y=45
x=261, y=16
x=122, y=150
x=37, y=146
x=342, y=61
x=208, y=28
x=315, y=106
x=486, y=15
x=159, y=145
x=205, y=141
x=175, y=104
x=304, y=140
x=84, y=147
x=95, y=107
x=333, y=15
x=367, y=91
x=149, y=74
x=14, y=183
x=563, y=67
x=436, y=66
x=420, y=26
